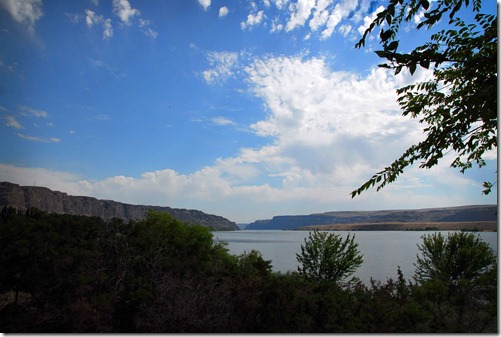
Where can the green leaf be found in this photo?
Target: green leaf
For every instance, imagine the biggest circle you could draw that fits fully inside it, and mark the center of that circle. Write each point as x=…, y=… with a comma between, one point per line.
x=464, y=62
x=425, y=64
x=385, y=34
x=412, y=68
x=392, y=46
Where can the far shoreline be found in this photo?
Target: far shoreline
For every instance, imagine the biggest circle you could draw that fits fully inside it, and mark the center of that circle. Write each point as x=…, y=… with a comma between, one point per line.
x=474, y=226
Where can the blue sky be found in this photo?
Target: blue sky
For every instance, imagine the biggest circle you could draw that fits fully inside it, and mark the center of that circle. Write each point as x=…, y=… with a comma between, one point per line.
x=244, y=109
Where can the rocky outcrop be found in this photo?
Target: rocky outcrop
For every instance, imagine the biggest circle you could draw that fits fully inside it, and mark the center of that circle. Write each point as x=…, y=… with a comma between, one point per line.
x=23, y=197
x=445, y=214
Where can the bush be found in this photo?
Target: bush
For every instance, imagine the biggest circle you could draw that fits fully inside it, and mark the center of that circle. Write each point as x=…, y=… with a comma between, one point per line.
x=457, y=283
x=325, y=256
x=459, y=256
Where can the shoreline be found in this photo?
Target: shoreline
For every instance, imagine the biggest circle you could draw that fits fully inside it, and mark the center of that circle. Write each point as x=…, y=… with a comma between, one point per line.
x=477, y=226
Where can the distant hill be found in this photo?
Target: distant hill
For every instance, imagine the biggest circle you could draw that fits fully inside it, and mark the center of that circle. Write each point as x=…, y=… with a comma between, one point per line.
x=23, y=197
x=427, y=215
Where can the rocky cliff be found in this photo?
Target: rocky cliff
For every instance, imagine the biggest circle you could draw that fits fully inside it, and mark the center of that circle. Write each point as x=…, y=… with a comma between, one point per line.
x=445, y=214
x=23, y=197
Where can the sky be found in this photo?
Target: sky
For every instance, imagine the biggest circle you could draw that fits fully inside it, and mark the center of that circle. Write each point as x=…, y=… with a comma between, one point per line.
x=243, y=109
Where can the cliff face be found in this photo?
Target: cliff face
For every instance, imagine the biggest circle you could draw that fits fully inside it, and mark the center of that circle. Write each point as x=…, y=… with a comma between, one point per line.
x=446, y=214
x=23, y=197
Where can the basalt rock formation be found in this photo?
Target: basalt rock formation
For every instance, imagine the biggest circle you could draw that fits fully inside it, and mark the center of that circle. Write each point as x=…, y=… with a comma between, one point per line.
x=430, y=215
x=23, y=197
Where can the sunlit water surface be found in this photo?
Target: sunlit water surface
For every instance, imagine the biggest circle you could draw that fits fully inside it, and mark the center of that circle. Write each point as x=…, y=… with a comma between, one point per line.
x=383, y=251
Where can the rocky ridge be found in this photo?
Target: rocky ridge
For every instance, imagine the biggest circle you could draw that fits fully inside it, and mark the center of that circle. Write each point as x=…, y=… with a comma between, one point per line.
x=471, y=213
x=23, y=197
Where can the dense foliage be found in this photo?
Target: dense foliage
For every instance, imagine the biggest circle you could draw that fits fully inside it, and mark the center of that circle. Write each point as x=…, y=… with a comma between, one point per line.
x=458, y=105
x=325, y=256
x=64, y=273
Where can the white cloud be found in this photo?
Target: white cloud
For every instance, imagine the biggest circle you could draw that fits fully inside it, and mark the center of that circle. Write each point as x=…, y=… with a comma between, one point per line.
x=324, y=16
x=301, y=11
x=107, y=29
x=340, y=12
x=223, y=65
x=419, y=16
x=223, y=11
x=56, y=180
x=279, y=3
x=222, y=121
x=307, y=95
x=145, y=26
x=26, y=110
x=253, y=19
x=204, y=3
x=224, y=189
x=12, y=122
x=368, y=20
x=39, y=139
x=74, y=18
x=327, y=133
x=24, y=11
x=320, y=15
x=345, y=29
x=124, y=11
x=91, y=18
x=276, y=27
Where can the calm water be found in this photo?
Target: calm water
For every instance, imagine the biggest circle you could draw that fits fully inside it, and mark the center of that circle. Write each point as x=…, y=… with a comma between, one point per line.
x=383, y=250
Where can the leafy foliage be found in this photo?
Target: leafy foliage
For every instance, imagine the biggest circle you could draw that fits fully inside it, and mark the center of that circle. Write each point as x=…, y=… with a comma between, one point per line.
x=459, y=256
x=458, y=106
x=64, y=273
x=325, y=256
x=252, y=262
x=458, y=281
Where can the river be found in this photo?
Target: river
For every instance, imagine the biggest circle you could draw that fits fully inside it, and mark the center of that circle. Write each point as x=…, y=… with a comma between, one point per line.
x=383, y=251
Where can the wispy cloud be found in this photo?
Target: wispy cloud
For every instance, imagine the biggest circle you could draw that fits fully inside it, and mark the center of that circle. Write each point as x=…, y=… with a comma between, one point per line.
x=39, y=139
x=145, y=26
x=102, y=117
x=25, y=12
x=107, y=29
x=91, y=19
x=12, y=122
x=368, y=20
x=300, y=12
x=109, y=68
x=327, y=132
x=314, y=18
x=26, y=110
x=74, y=18
x=222, y=121
x=125, y=13
x=223, y=65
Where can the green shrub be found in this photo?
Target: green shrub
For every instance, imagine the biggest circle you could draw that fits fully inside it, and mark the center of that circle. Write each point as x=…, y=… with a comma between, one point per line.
x=325, y=256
